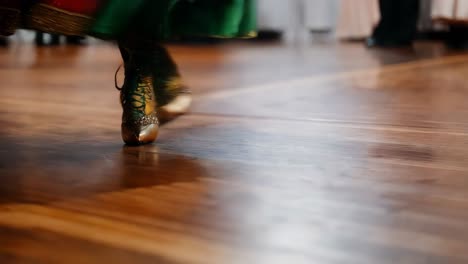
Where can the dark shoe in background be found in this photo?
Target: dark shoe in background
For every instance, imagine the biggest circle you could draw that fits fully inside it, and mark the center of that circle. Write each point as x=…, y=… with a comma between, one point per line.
x=268, y=35
x=457, y=37
x=40, y=39
x=55, y=40
x=75, y=40
x=3, y=41
x=375, y=43
x=398, y=24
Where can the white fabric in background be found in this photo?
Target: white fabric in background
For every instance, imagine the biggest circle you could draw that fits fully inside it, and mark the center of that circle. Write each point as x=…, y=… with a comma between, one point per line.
x=357, y=18
x=296, y=15
x=425, y=19
x=319, y=15
x=350, y=19
x=451, y=9
x=442, y=8
x=275, y=14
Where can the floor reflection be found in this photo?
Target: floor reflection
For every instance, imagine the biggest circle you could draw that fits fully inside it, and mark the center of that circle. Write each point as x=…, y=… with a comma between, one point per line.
x=42, y=170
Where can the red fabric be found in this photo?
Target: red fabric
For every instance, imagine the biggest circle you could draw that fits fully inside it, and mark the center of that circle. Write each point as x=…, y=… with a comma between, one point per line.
x=85, y=7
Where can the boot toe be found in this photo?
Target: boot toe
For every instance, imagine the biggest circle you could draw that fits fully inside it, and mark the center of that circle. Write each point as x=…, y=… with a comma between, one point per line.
x=142, y=135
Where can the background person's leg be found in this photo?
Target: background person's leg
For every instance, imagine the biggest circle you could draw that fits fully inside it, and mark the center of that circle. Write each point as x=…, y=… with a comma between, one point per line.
x=398, y=24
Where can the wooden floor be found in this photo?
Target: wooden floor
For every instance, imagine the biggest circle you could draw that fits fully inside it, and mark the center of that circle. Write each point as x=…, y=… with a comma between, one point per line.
x=324, y=153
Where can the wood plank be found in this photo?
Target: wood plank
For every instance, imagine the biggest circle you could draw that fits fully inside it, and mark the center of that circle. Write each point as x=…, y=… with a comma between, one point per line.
x=313, y=154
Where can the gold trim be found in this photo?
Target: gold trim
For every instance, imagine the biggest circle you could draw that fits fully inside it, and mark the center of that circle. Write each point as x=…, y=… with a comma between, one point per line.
x=53, y=8
x=251, y=34
x=54, y=20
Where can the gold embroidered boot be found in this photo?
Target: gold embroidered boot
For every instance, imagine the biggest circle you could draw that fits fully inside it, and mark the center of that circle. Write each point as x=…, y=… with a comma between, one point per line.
x=139, y=119
x=172, y=96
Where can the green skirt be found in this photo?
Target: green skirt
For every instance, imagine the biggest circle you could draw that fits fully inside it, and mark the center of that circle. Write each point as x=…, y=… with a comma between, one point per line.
x=166, y=19
x=142, y=19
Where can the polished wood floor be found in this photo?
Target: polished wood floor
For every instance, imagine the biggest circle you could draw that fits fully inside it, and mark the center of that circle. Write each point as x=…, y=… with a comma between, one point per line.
x=314, y=153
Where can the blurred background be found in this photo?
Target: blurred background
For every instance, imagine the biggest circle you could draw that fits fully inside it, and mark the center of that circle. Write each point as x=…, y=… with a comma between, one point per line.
x=346, y=20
